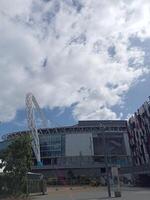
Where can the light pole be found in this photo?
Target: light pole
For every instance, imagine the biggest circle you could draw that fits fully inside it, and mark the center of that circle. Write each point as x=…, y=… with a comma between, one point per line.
x=106, y=159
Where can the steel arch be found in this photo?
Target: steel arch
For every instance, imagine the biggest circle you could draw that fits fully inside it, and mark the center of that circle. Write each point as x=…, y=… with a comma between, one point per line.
x=31, y=105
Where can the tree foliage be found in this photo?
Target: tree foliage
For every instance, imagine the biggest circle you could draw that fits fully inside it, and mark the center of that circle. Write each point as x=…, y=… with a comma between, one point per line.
x=17, y=161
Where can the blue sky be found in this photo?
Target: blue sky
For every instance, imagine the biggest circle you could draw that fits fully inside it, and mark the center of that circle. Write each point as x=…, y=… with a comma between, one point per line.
x=82, y=59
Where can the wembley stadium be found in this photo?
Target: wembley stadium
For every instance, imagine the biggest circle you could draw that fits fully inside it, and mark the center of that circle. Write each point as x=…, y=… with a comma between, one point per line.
x=80, y=148
x=89, y=147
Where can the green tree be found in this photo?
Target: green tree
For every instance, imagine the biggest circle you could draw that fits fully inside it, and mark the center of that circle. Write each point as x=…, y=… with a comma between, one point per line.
x=17, y=161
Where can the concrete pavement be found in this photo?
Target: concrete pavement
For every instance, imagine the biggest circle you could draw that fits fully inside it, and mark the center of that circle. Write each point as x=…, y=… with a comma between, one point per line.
x=91, y=193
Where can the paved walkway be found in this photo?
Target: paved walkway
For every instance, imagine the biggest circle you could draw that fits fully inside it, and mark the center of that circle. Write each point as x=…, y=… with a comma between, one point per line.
x=91, y=193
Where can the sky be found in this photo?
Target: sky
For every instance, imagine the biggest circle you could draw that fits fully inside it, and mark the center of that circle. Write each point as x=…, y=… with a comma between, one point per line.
x=81, y=59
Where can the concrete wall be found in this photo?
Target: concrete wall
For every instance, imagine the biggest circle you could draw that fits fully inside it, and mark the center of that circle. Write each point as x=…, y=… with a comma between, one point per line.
x=93, y=173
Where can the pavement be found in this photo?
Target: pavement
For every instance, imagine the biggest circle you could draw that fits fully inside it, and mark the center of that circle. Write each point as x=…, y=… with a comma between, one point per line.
x=92, y=193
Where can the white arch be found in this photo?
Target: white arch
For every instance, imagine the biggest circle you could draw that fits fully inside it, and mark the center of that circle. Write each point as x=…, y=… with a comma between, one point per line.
x=32, y=104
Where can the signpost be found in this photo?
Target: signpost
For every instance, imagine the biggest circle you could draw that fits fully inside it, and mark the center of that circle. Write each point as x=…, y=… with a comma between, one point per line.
x=116, y=181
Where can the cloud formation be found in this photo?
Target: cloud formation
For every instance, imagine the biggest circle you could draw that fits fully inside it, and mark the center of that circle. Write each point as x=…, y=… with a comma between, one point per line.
x=71, y=53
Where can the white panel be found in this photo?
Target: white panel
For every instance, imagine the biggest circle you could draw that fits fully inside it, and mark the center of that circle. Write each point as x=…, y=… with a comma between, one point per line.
x=79, y=144
x=126, y=140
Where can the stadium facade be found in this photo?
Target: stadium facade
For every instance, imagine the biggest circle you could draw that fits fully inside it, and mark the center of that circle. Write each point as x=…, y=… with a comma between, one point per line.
x=81, y=147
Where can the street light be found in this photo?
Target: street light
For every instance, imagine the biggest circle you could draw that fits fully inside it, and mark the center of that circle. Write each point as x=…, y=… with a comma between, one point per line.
x=106, y=159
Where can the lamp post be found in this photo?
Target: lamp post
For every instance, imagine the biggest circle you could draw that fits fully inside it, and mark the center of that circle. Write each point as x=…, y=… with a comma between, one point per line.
x=106, y=159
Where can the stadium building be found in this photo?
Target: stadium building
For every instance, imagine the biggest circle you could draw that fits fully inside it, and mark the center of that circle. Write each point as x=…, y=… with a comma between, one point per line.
x=139, y=135
x=80, y=148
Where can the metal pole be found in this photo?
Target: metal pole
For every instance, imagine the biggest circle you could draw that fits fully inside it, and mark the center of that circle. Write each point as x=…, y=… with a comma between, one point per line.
x=27, y=187
x=106, y=161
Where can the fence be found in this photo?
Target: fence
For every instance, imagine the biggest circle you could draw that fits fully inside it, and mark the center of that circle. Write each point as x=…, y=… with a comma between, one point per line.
x=36, y=183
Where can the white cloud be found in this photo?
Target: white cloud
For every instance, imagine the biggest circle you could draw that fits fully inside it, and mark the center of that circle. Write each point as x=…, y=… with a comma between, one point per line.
x=59, y=51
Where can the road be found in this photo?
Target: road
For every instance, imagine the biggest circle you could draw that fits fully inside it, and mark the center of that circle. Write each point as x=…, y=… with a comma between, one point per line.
x=91, y=193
